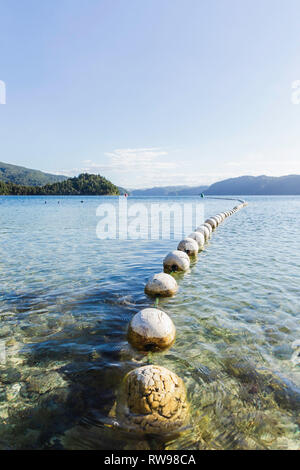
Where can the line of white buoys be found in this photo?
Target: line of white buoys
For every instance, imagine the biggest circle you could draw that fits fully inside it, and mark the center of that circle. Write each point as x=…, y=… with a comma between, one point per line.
x=189, y=246
x=151, y=329
x=152, y=399
x=161, y=284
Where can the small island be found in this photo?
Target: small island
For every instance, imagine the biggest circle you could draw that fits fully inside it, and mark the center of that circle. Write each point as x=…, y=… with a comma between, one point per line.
x=82, y=185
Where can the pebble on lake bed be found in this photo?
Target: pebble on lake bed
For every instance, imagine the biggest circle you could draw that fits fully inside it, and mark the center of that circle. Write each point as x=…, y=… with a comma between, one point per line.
x=176, y=261
x=161, y=284
x=152, y=399
x=188, y=246
x=151, y=329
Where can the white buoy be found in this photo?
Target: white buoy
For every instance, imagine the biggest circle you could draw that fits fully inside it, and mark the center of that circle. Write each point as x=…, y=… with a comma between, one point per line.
x=176, y=261
x=161, y=284
x=209, y=227
x=204, y=230
x=216, y=219
x=151, y=329
x=189, y=246
x=199, y=238
x=152, y=400
x=212, y=223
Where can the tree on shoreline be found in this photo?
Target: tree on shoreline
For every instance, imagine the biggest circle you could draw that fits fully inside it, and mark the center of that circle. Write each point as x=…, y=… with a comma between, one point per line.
x=84, y=184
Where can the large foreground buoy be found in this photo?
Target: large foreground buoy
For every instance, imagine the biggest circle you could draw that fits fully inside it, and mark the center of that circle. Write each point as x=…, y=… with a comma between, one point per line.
x=151, y=329
x=152, y=400
x=176, y=261
x=189, y=246
x=161, y=284
x=199, y=238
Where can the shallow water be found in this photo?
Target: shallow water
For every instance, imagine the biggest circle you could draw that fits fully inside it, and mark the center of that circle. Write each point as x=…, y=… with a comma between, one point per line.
x=66, y=298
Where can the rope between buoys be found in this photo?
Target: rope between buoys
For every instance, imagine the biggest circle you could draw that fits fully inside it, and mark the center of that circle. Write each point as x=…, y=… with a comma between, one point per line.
x=225, y=198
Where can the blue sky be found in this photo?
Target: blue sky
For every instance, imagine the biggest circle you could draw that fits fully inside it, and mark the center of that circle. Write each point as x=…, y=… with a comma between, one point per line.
x=151, y=92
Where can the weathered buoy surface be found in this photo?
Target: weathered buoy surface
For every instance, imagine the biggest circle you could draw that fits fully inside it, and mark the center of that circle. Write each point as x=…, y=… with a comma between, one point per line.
x=217, y=219
x=204, y=230
x=189, y=246
x=151, y=329
x=209, y=227
x=212, y=222
x=199, y=238
x=176, y=261
x=152, y=399
x=161, y=284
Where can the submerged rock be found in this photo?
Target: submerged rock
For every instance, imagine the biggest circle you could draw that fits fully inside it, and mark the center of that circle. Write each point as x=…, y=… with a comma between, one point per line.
x=43, y=383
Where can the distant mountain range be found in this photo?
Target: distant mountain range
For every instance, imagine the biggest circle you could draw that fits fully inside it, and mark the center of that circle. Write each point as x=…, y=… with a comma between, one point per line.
x=243, y=185
x=257, y=185
x=169, y=191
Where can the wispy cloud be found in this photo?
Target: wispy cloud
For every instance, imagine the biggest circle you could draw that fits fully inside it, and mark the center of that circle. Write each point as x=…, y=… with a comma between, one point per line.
x=154, y=166
x=130, y=166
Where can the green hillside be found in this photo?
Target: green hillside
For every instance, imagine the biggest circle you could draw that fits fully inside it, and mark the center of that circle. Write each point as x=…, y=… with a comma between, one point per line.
x=27, y=177
x=84, y=184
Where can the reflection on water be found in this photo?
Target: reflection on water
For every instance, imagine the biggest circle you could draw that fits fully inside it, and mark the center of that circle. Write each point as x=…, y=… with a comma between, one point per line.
x=66, y=298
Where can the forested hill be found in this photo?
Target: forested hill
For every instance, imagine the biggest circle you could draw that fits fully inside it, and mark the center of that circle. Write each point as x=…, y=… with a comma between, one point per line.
x=27, y=177
x=84, y=184
x=170, y=191
x=257, y=185
x=243, y=185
